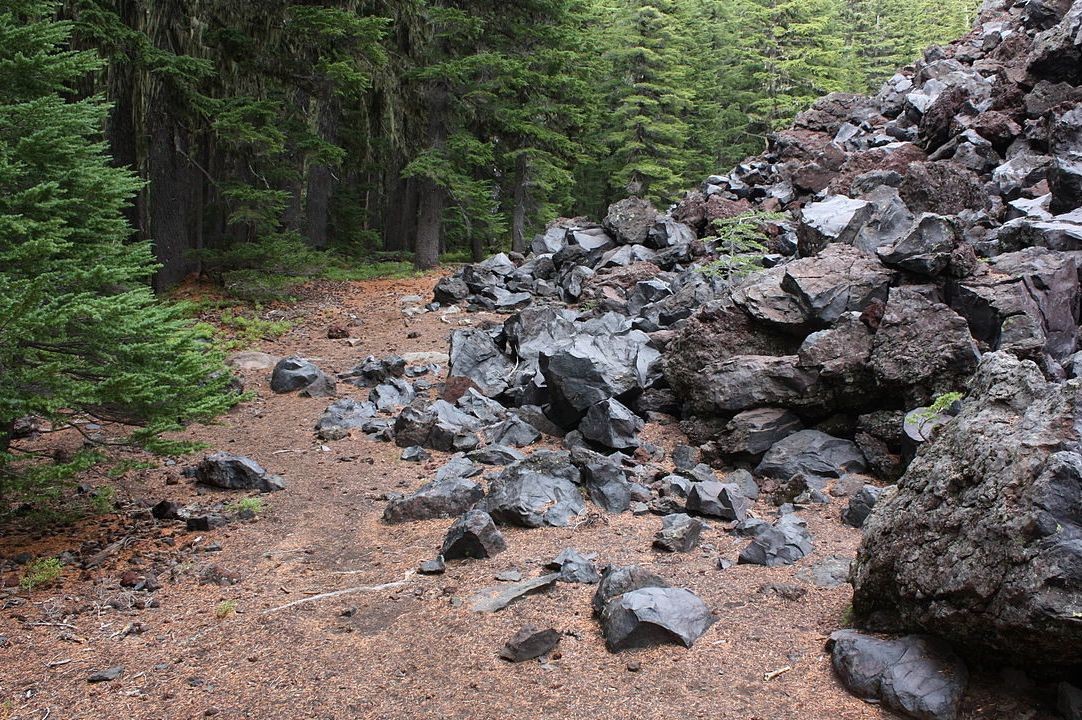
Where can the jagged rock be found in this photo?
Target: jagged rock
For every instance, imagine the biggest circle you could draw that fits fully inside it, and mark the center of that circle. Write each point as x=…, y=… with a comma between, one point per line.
x=474, y=355
x=1065, y=174
x=783, y=543
x=1069, y=701
x=530, y=643
x=750, y=381
x=921, y=346
x=1024, y=169
x=915, y=675
x=1057, y=52
x=605, y=480
x=654, y=616
x=575, y=568
x=997, y=568
x=435, y=566
x=415, y=454
x=812, y=454
x=296, y=373
x=440, y=426
x=393, y=394
x=685, y=457
x=540, y=490
x=753, y=432
x=860, y=506
x=926, y=250
x=942, y=187
x=1027, y=303
x=679, y=533
x=616, y=581
x=631, y=220
x=765, y=300
x=473, y=535
x=496, y=455
x=374, y=371
x=494, y=599
x=513, y=431
x=612, y=424
x=837, y=219
x=442, y=498
x=166, y=510
x=342, y=416
x=720, y=500
x=837, y=280
x=235, y=472
x=451, y=290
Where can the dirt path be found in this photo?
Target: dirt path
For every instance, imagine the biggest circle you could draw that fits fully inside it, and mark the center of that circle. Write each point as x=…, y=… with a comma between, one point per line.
x=414, y=650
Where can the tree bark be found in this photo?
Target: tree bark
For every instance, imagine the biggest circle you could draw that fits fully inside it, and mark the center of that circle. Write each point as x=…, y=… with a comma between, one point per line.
x=431, y=203
x=518, y=212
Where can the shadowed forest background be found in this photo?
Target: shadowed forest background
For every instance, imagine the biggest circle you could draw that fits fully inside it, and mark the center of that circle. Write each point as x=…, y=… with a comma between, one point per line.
x=402, y=129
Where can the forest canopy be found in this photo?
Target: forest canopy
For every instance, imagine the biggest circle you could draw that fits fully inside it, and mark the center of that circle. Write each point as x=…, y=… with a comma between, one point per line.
x=404, y=129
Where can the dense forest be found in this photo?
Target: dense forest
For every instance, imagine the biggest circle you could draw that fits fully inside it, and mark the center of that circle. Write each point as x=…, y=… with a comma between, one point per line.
x=414, y=127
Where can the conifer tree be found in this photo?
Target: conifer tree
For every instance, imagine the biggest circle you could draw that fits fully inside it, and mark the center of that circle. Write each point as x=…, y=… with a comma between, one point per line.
x=80, y=330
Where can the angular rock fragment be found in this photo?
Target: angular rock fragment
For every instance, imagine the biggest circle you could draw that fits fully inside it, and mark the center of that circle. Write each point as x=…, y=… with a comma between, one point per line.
x=720, y=500
x=474, y=535
x=494, y=599
x=540, y=490
x=296, y=373
x=235, y=472
x=784, y=543
x=679, y=533
x=654, y=616
x=812, y=454
x=342, y=416
x=611, y=424
x=530, y=643
x=438, y=499
x=860, y=506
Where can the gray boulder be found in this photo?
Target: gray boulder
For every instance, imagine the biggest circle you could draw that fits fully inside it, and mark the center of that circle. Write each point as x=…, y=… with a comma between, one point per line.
x=914, y=675
x=837, y=280
x=630, y=221
x=927, y=249
x=473, y=535
x=812, y=454
x=574, y=567
x=442, y=498
x=391, y=395
x=654, y=616
x=235, y=472
x=753, y=432
x=861, y=505
x=530, y=643
x=980, y=544
x=679, y=533
x=836, y=219
x=296, y=373
x=783, y=543
x=374, y=371
x=474, y=355
x=720, y=500
x=541, y=490
x=611, y=424
x=619, y=580
x=342, y=416
x=1065, y=174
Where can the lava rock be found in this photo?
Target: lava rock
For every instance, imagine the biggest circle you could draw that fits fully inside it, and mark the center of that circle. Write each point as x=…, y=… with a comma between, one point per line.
x=861, y=505
x=391, y=395
x=105, y=675
x=812, y=454
x=496, y=455
x=494, y=599
x=235, y=472
x=438, y=499
x=474, y=535
x=296, y=373
x=611, y=424
x=530, y=643
x=915, y=675
x=474, y=355
x=540, y=490
x=654, y=616
x=616, y=581
x=836, y=219
x=630, y=221
x=575, y=568
x=375, y=371
x=720, y=500
x=785, y=542
x=435, y=566
x=679, y=533
x=342, y=416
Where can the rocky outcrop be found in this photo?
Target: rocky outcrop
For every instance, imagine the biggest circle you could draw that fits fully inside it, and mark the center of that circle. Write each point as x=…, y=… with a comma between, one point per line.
x=981, y=542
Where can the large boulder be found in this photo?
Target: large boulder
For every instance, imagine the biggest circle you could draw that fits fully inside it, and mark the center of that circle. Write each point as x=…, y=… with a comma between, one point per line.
x=442, y=498
x=630, y=221
x=813, y=455
x=541, y=490
x=836, y=219
x=296, y=373
x=611, y=424
x=235, y=472
x=1065, y=174
x=915, y=675
x=654, y=616
x=980, y=543
x=473, y=535
x=474, y=355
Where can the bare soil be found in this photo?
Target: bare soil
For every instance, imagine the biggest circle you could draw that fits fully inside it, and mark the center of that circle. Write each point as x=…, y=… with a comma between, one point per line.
x=202, y=647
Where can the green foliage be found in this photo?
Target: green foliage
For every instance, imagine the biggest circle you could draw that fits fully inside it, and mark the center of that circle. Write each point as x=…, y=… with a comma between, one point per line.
x=103, y=500
x=248, y=329
x=225, y=609
x=739, y=242
x=251, y=504
x=125, y=466
x=81, y=330
x=41, y=573
x=370, y=271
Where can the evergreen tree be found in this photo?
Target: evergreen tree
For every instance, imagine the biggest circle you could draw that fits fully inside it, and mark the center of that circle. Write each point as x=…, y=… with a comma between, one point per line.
x=81, y=331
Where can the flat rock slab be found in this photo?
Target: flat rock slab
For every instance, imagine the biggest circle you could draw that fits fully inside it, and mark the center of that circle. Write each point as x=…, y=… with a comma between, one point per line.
x=915, y=675
x=529, y=643
x=494, y=599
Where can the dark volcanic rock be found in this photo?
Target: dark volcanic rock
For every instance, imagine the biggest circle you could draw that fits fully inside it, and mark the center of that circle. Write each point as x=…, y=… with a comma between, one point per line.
x=342, y=416
x=980, y=542
x=679, y=533
x=575, y=567
x=783, y=543
x=720, y=500
x=860, y=506
x=631, y=221
x=1065, y=175
x=494, y=599
x=812, y=454
x=753, y=432
x=619, y=580
x=915, y=675
x=234, y=472
x=530, y=643
x=612, y=424
x=927, y=249
x=540, y=490
x=654, y=616
x=473, y=535
x=296, y=373
x=442, y=498
x=474, y=355
x=374, y=371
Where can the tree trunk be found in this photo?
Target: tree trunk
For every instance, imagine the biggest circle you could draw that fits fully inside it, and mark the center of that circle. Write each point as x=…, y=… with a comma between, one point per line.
x=518, y=213
x=321, y=179
x=429, y=224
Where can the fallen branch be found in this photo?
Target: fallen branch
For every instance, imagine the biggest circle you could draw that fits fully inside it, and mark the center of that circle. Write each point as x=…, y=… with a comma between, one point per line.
x=767, y=677
x=345, y=591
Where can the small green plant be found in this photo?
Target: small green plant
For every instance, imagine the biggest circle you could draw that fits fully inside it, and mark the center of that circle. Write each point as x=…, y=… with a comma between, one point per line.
x=247, y=329
x=370, y=271
x=41, y=572
x=103, y=500
x=225, y=609
x=739, y=242
x=252, y=504
x=933, y=411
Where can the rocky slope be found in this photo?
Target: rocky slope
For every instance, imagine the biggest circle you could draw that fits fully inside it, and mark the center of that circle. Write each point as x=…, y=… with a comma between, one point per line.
x=922, y=242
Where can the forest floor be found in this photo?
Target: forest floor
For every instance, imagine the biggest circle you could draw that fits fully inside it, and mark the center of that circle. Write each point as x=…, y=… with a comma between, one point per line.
x=214, y=640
